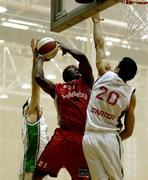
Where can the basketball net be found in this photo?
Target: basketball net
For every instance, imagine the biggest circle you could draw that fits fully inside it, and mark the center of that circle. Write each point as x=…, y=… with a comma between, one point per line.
x=136, y=17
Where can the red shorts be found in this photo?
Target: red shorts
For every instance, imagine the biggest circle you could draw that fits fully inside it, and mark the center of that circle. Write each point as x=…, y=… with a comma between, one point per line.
x=63, y=152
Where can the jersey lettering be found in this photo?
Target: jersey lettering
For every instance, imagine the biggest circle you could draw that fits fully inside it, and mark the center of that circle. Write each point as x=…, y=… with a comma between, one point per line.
x=40, y=163
x=103, y=91
x=112, y=96
x=69, y=87
x=75, y=94
x=102, y=113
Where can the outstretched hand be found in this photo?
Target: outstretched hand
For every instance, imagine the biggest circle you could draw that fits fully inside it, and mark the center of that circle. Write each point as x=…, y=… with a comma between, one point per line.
x=36, y=56
x=96, y=18
x=63, y=48
x=33, y=47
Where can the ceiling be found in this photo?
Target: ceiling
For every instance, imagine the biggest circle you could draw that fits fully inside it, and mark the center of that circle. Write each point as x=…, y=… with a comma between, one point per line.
x=15, y=51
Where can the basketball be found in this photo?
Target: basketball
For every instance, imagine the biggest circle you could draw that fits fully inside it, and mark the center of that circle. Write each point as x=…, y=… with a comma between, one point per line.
x=47, y=47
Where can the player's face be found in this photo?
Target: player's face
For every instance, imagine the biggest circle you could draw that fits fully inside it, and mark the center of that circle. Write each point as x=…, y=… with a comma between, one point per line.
x=73, y=73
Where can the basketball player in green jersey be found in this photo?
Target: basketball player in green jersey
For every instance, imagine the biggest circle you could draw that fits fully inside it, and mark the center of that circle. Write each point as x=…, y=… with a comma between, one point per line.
x=34, y=132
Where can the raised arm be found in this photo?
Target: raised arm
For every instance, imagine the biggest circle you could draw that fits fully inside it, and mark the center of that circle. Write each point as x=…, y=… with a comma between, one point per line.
x=99, y=45
x=34, y=110
x=84, y=65
x=47, y=85
x=129, y=120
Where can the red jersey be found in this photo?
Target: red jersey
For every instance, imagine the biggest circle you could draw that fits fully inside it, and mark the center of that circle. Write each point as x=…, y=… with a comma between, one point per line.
x=71, y=103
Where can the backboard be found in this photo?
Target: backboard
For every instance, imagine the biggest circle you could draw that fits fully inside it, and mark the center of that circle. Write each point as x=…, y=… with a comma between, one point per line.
x=67, y=13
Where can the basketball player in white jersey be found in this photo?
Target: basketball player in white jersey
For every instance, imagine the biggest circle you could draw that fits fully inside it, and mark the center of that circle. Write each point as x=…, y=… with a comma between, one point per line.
x=110, y=97
x=35, y=132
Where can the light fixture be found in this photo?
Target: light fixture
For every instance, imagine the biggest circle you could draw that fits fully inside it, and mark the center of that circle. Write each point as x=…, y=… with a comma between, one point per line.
x=3, y=96
x=50, y=76
x=144, y=37
x=3, y=9
x=2, y=41
x=113, y=39
x=136, y=48
x=26, y=86
x=3, y=19
x=24, y=23
x=124, y=45
x=81, y=38
x=41, y=30
x=109, y=43
x=125, y=42
x=16, y=26
x=128, y=46
x=115, y=23
x=107, y=53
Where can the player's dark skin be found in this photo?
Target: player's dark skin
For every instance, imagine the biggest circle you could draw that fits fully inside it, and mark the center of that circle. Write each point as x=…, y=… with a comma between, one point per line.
x=72, y=73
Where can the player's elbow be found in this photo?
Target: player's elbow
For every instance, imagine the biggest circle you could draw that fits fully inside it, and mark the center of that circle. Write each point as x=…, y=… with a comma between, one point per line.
x=129, y=133
x=39, y=80
x=126, y=134
x=99, y=42
x=101, y=70
x=83, y=59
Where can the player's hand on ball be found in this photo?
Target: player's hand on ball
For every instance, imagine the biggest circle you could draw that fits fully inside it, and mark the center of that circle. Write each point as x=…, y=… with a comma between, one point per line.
x=41, y=57
x=33, y=47
x=63, y=48
x=96, y=18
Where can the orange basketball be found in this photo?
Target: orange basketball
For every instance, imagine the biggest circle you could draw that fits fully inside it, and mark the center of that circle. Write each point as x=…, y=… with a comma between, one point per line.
x=47, y=47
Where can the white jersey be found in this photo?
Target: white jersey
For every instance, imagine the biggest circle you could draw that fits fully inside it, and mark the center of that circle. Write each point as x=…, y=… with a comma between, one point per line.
x=109, y=98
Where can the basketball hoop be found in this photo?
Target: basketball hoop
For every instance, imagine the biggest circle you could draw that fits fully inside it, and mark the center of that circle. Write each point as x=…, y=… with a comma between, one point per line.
x=136, y=18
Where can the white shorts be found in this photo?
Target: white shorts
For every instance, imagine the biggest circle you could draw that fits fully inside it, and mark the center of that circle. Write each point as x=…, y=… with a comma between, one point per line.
x=103, y=152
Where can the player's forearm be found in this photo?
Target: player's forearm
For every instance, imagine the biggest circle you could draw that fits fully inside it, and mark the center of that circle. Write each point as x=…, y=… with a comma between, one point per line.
x=78, y=55
x=125, y=134
x=98, y=41
x=35, y=94
x=38, y=70
x=97, y=35
x=39, y=67
x=35, y=86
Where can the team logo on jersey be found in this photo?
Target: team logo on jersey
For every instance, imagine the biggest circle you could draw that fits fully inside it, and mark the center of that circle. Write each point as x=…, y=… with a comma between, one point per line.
x=102, y=113
x=75, y=94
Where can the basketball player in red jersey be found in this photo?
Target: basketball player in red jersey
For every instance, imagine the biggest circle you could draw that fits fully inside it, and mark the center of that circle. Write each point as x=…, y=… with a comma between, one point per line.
x=111, y=95
x=71, y=99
